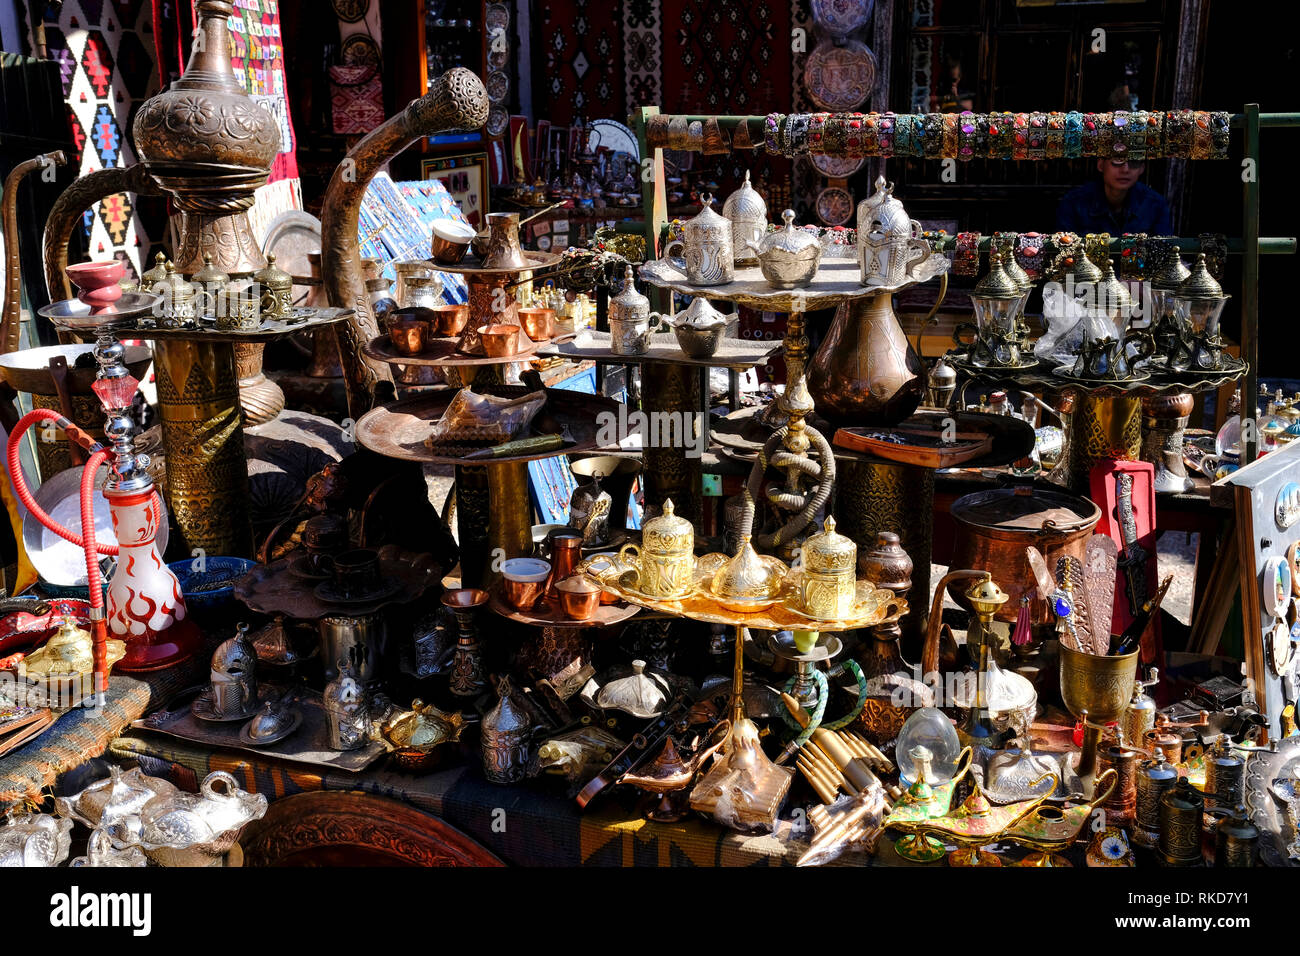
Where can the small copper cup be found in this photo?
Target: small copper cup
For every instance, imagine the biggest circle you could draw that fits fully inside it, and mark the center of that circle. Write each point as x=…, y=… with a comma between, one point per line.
x=450, y=319
x=524, y=581
x=538, y=324
x=408, y=335
x=579, y=598
x=451, y=240
x=499, y=341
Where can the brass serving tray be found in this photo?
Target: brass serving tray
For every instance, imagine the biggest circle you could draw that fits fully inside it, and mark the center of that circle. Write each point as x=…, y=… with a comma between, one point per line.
x=700, y=605
x=71, y=315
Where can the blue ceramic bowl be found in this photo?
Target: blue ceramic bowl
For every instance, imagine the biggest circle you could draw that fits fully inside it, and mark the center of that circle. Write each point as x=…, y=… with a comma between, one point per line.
x=214, y=585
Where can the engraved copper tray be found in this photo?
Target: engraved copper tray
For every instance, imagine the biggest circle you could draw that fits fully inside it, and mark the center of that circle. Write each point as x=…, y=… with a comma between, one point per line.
x=547, y=615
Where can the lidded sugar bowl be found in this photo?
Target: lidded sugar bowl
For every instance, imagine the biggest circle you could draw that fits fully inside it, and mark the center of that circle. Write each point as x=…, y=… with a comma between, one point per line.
x=699, y=328
x=630, y=320
x=277, y=289
x=889, y=242
x=747, y=212
x=506, y=738
x=829, y=562
x=788, y=257
x=665, y=561
x=748, y=582
x=707, y=247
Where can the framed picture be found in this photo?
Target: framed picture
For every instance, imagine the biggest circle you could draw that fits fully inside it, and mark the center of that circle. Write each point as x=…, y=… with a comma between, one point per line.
x=465, y=178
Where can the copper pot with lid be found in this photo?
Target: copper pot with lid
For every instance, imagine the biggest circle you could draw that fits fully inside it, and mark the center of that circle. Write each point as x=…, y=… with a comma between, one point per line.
x=994, y=528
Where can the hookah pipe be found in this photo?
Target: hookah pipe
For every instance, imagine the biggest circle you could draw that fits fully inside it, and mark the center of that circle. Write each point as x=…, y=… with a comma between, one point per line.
x=86, y=540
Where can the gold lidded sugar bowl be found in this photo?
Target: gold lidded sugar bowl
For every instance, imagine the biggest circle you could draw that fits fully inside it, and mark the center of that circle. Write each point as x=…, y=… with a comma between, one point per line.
x=664, y=563
x=746, y=583
x=828, y=562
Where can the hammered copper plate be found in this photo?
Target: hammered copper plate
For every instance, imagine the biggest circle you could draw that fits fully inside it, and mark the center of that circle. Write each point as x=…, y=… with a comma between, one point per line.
x=274, y=588
x=443, y=352
x=837, y=167
x=840, y=78
x=400, y=429
x=349, y=828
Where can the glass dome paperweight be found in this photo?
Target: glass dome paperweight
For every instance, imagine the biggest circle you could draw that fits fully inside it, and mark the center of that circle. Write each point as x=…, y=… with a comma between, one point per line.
x=928, y=728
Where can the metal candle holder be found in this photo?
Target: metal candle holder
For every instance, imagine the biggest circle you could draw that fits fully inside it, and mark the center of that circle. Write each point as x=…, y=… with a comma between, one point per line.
x=467, y=676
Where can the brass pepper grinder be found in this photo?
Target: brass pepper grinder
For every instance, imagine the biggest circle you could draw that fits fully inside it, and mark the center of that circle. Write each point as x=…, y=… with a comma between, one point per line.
x=1181, y=809
x=1236, y=840
x=1121, y=805
x=1223, y=775
x=1141, y=714
x=978, y=730
x=1154, y=778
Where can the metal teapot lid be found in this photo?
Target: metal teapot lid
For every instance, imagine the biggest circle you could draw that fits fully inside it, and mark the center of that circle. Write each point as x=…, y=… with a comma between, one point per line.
x=789, y=241
x=706, y=216
x=273, y=277
x=668, y=525
x=271, y=721
x=641, y=695
x=829, y=550
x=1199, y=284
x=997, y=283
x=1171, y=273
x=745, y=204
x=628, y=296
x=210, y=275
x=699, y=315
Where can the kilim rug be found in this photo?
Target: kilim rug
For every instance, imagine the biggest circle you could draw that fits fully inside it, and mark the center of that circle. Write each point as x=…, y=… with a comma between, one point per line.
x=105, y=53
x=583, y=42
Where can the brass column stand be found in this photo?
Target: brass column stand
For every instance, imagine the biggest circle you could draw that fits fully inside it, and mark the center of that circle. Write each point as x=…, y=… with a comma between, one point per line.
x=668, y=473
x=511, y=528
x=872, y=498
x=473, y=517
x=207, y=475
x=1104, y=428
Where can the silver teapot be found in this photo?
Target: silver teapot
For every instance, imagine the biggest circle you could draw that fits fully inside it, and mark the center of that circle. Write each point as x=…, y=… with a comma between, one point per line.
x=747, y=213
x=706, y=247
x=187, y=829
x=889, y=242
x=35, y=839
x=790, y=256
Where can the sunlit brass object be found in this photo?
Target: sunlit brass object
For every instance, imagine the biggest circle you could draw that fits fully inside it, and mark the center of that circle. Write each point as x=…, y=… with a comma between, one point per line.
x=1049, y=831
x=668, y=775
x=828, y=584
x=743, y=790
x=538, y=324
x=451, y=319
x=665, y=560
x=578, y=597
x=930, y=653
x=415, y=734
x=67, y=656
x=748, y=582
x=1096, y=690
x=858, y=823
x=1154, y=778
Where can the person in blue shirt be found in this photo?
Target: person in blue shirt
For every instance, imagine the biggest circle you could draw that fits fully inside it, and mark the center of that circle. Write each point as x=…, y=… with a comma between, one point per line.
x=1117, y=203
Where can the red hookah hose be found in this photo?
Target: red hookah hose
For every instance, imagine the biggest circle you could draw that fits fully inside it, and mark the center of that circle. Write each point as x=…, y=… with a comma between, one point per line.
x=86, y=540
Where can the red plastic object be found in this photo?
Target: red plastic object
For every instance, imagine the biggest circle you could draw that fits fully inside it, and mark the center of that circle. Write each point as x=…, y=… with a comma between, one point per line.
x=1103, y=492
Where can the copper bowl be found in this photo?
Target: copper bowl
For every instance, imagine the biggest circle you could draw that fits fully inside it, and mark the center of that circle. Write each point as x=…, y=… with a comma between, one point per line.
x=451, y=240
x=499, y=341
x=539, y=324
x=450, y=319
x=408, y=335
x=524, y=581
x=579, y=598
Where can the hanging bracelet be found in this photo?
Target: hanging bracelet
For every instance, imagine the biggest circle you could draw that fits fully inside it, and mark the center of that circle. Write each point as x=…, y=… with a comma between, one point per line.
x=966, y=258
x=1029, y=253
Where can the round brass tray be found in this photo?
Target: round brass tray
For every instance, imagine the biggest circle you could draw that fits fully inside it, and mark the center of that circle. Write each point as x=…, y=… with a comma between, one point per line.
x=445, y=352
x=547, y=616
x=400, y=429
x=700, y=606
x=537, y=261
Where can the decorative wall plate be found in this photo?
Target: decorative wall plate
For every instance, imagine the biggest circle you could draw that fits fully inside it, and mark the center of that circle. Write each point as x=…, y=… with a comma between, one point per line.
x=834, y=206
x=1286, y=512
x=496, y=16
x=498, y=86
x=1293, y=556
x=839, y=18
x=837, y=167
x=497, y=121
x=840, y=78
